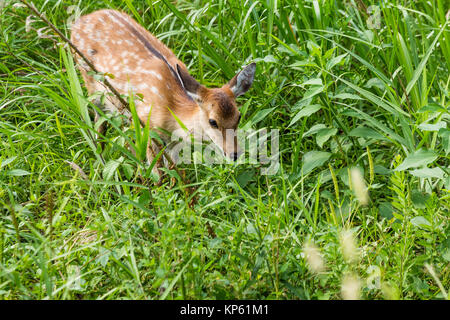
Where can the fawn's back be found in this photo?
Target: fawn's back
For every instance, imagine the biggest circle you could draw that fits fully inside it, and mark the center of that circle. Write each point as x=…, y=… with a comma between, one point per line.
x=137, y=60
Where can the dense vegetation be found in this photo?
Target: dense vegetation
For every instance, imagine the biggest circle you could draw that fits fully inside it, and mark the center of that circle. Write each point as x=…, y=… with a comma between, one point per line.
x=346, y=85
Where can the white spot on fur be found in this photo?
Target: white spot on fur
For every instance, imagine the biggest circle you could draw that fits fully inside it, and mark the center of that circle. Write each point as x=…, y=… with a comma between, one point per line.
x=153, y=73
x=146, y=108
x=193, y=95
x=127, y=70
x=154, y=90
x=117, y=21
x=129, y=87
x=119, y=85
x=89, y=28
x=142, y=86
x=81, y=44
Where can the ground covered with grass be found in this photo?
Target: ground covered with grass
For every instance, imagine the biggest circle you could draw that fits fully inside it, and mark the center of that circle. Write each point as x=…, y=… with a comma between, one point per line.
x=346, y=84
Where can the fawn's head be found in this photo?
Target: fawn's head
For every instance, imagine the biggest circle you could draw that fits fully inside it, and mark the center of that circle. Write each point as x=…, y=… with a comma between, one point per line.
x=219, y=115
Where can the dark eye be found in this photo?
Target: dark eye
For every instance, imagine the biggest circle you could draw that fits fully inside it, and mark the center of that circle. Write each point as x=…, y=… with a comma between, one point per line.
x=213, y=123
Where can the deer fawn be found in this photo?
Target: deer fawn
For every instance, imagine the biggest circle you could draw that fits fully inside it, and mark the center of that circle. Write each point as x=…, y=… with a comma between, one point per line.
x=140, y=63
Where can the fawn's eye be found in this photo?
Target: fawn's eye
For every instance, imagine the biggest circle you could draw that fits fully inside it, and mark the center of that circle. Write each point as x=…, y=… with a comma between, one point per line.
x=213, y=123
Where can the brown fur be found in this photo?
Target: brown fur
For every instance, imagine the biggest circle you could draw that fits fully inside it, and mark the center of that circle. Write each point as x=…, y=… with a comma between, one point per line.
x=118, y=45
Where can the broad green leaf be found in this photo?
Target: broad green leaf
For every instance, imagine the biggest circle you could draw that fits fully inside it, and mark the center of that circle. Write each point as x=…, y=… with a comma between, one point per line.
x=17, y=172
x=244, y=178
x=110, y=168
x=379, y=169
x=347, y=96
x=267, y=59
x=314, y=49
x=428, y=173
x=366, y=133
x=324, y=134
x=445, y=136
x=128, y=170
x=305, y=112
x=432, y=108
x=315, y=90
x=419, y=158
x=334, y=61
x=314, y=129
x=314, y=159
x=421, y=222
x=433, y=126
x=329, y=53
x=375, y=82
x=386, y=210
x=315, y=82
x=446, y=254
x=419, y=199
x=303, y=63
x=6, y=161
x=261, y=114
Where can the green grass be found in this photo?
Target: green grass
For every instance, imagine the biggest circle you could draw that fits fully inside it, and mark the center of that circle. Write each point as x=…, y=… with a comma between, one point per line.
x=78, y=223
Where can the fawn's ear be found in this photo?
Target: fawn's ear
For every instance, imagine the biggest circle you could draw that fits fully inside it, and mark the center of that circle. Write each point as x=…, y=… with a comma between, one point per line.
x=191, y=85
x=243, y=80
